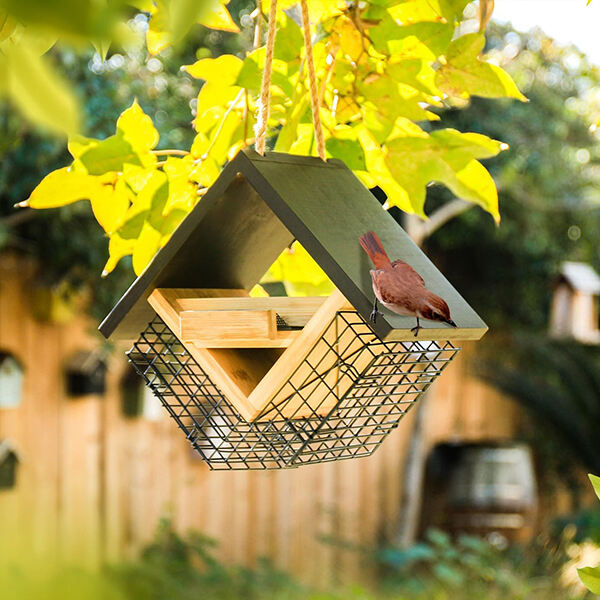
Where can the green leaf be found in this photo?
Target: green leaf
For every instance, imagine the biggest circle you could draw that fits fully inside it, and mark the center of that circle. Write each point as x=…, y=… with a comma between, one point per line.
x=415, y=72
x=425, y=40
x=111, y=154
x=590, y=577
x=132, y=225
x=289, y=41
x=596, y=483
x=446, y=156
x=101, y=47
x=76, y=19
x=39, y=92
x=350, y=151
x=464, y=74
x=391, y=101
x=250, y=75
x=183, y=14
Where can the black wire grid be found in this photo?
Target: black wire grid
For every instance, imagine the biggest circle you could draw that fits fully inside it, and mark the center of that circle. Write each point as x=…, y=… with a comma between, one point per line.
x=347, y=395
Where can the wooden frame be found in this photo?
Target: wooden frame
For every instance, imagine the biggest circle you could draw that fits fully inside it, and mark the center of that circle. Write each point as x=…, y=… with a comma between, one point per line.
x=250, y=369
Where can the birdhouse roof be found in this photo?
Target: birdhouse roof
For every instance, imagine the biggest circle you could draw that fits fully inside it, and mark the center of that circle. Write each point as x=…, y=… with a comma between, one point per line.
x=581, y=277
x=7, y=356
x=7, y=449
x=85, y=361
x=254, y=210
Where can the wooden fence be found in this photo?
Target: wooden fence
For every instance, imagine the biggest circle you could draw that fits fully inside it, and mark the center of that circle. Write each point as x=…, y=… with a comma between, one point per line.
x=93, y=484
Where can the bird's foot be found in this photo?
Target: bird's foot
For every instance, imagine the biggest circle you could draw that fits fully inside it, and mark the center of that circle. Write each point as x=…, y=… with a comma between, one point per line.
x=416, y=329
x=373, y=317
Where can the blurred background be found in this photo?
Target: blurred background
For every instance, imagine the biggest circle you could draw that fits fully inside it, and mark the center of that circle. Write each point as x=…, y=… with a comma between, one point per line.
x=481, y=492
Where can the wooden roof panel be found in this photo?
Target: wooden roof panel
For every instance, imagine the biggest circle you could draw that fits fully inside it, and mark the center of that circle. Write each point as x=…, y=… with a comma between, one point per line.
x=254, y=210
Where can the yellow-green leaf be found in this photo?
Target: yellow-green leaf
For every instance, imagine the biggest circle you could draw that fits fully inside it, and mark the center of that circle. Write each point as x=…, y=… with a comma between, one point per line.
x=7, y=26
x=219, y=18
x=223, y=70
x=61, y=187
x=596, y=483
x=445, y=156
x=146, y=246
x=39, y=92
x=465, y=74
x=117, y=249
x=590, y=577
x=110, y=204
x=137, y=128
x=109, y=155
x=299, y=272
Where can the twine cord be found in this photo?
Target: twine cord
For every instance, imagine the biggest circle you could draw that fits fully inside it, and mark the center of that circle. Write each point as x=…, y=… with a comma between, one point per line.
x=265, y=92
x=312, y=78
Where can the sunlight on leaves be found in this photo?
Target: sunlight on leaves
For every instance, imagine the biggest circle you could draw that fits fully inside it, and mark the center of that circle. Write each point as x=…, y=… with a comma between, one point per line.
x=383, y=68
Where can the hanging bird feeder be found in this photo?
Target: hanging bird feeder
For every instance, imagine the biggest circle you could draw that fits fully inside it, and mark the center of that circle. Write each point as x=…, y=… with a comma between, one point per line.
x=278, y=382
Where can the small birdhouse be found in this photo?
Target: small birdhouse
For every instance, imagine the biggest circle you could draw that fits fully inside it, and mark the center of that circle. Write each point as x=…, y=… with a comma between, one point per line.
x=9, y=460
x=85, y=374
x=137, y=399
x=11, y=380
x=282, y=381
x=574, y=312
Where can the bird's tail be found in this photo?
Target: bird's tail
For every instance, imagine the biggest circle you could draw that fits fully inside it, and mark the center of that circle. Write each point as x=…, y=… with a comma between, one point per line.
x=372, y=246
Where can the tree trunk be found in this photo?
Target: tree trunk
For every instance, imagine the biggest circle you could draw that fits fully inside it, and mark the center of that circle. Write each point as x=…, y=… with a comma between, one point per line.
x=413, y=479
x=414, y=462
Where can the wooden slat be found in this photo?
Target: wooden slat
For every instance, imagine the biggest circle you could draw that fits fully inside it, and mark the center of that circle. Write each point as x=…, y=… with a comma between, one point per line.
x=203, y=327
x=296, y=312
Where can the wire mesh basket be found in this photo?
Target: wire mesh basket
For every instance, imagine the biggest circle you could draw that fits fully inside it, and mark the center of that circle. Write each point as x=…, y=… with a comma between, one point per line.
x=345, y=397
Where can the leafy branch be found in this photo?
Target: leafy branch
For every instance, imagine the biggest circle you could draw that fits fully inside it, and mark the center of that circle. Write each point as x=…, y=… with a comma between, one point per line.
x=380, y=67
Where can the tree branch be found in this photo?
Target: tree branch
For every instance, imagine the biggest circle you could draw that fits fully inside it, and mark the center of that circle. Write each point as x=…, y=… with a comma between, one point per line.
x=19, y=217
x=440, y=217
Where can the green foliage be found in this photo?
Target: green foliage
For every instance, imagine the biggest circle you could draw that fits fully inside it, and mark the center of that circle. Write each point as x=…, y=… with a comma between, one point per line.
x=176, y=568
x=378, y=68
x=560, y=384
x=548, y=184
x=187, y=567
x=590, y=576
x=68, y=242
x=469, y=567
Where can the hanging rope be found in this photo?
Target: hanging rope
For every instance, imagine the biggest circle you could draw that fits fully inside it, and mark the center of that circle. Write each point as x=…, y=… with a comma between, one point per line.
x=258, y=26
x=265, y=92
x=312, y=78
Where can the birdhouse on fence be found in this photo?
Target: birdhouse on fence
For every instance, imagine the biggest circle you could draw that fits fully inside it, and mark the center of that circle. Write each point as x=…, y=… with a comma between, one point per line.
x=9, y=460
x=11, y=380
x=574, y=312
x=282, y=381
x=85, y=374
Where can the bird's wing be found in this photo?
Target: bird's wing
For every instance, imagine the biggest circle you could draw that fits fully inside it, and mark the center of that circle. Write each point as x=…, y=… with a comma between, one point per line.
x=408, y=275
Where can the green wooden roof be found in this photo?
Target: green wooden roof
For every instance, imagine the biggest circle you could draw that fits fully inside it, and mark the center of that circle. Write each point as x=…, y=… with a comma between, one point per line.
x=254, y=210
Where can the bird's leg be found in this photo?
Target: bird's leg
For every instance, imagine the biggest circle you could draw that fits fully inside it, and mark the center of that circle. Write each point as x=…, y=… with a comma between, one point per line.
x=417, y=328
x=374, y=313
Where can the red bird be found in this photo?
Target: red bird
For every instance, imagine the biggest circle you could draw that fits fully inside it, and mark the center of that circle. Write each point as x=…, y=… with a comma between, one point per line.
x=400, y=288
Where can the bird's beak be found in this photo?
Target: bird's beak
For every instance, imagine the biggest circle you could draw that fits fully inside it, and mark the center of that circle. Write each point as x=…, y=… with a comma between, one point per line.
x=450, y=322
